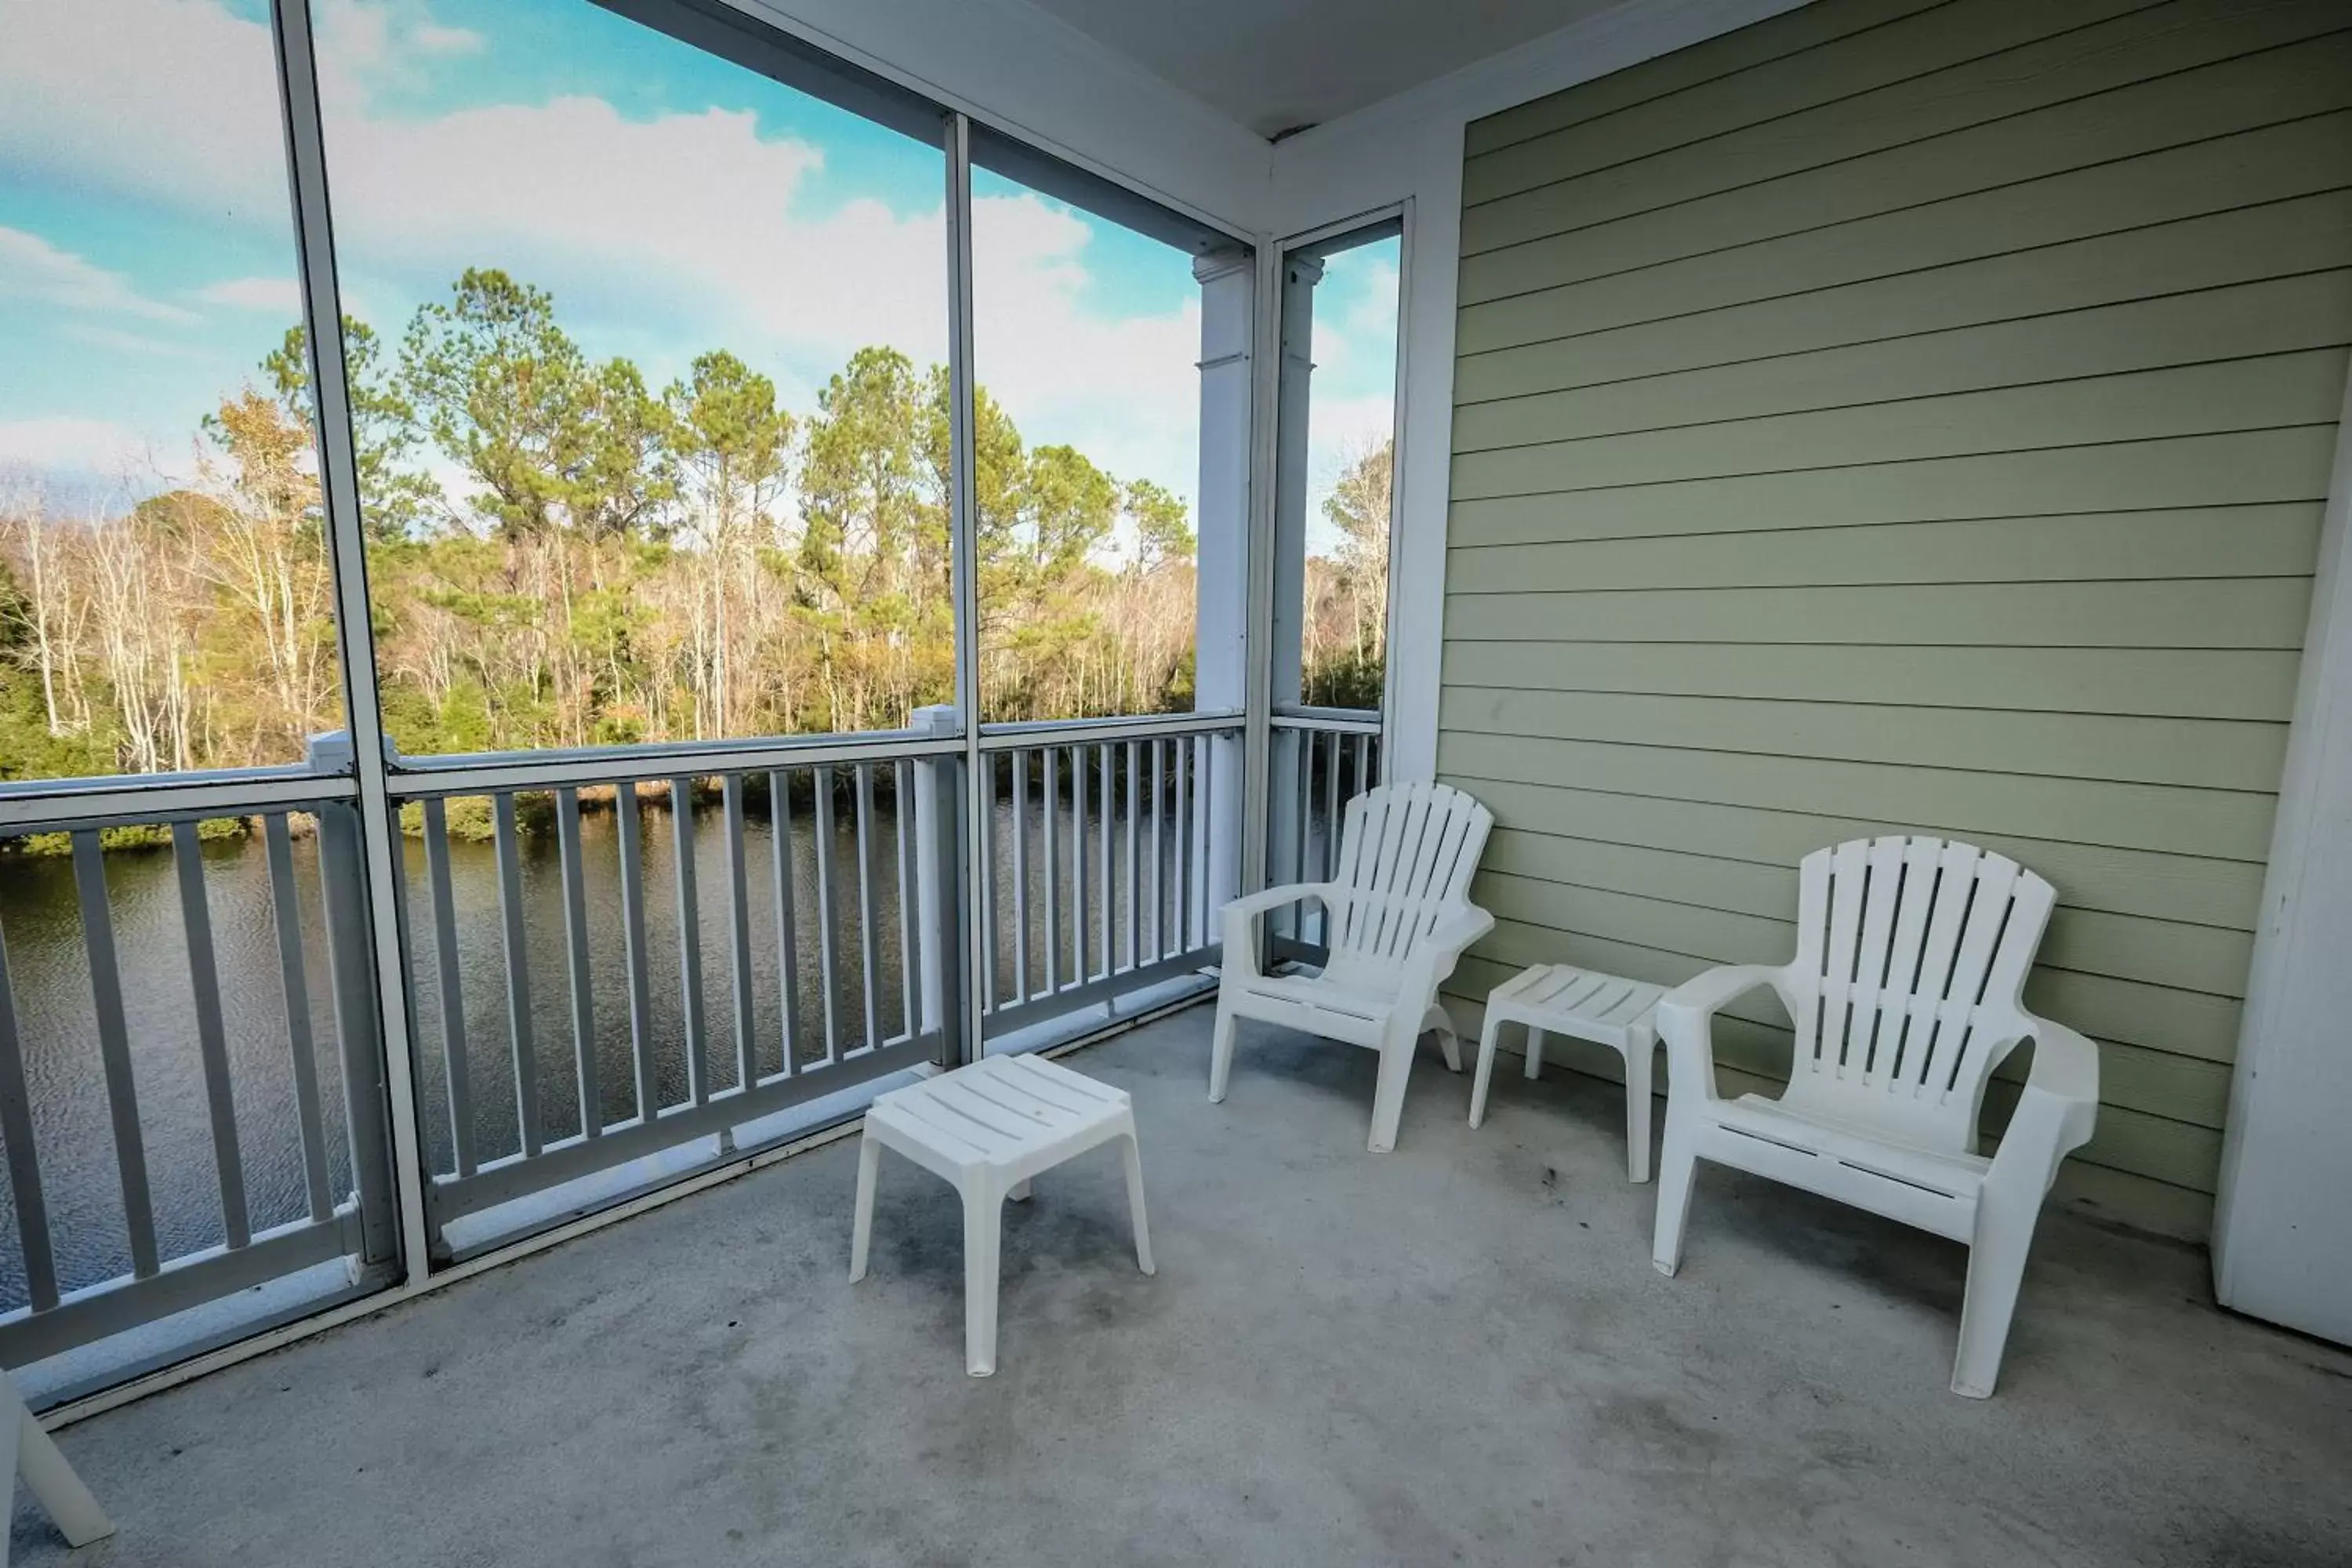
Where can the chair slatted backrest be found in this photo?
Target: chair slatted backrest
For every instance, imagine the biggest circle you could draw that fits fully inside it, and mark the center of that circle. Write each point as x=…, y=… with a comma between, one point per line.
x=1417, y=846
x=1911, y=956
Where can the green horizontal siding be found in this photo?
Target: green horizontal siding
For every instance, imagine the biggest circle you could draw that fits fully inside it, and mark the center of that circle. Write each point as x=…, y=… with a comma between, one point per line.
x=1903, y=415
x=2012, y=57
x=2043, y=287
x=2271, y=164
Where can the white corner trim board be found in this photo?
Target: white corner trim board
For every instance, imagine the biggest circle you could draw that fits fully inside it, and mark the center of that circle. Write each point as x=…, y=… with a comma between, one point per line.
x=2281, y=1229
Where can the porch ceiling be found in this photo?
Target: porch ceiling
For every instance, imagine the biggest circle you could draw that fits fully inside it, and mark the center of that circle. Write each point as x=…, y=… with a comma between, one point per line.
x=1282, y=65
x=1458, y=1352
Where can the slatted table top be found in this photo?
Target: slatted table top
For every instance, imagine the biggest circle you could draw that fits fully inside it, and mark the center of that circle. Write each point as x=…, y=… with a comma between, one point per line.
x=1000, y=1111
x=1573, y=1001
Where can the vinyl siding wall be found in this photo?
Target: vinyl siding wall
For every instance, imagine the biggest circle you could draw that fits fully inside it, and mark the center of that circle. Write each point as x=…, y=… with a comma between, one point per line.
x=1901, y=415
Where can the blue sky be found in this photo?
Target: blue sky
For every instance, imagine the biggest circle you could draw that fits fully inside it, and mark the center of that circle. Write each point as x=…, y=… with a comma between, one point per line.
x=673, y=203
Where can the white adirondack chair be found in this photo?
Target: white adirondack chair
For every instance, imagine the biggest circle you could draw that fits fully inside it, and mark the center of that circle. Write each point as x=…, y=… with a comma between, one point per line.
x=1911, y=955
x=1397, y=915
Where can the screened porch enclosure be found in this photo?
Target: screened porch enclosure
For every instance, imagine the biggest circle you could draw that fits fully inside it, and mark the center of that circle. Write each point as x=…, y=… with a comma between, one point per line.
x=281, y=1038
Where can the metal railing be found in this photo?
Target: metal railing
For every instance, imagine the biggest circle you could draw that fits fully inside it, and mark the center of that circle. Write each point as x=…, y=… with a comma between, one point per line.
x=205, y=1079
x=1321, y=759
x=615, y=969
x=783, y=935
x=1106, y=849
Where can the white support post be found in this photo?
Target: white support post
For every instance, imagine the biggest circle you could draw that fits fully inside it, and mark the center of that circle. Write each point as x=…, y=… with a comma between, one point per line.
x=1287, y=616
x=378, y=822
x=938, y=906
x=1228, y=281
x=977, y=796
x=1301, y=274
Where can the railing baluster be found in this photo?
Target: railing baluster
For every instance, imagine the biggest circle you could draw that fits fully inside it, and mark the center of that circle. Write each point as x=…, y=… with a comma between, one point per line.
x=1364, y=764
x=24, y=1158
x=788, y=947
x=1134, y=807
x=211, y=1035
x=517, y=955
x=1205, y=752
x=1183, y=911
x=575, y=952
x=865, y=955
x=1079, y=900
x=1159, y=852
x=294, y=984
x=1053, y=871
x=828, y=924
x=1200, y=905
x=986, y=881
x=1302, y=743
x=456, y=1068
x=1108, y=793
x=1331, y=806
x=632, y=943
x=114, y=1049
x=1021, y=992
x=738, y=929
x=690, y=939
x=902, y=813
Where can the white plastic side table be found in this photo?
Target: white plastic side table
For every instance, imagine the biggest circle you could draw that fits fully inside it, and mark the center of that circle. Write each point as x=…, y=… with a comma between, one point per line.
x=1559, y=999
x=987, y=1128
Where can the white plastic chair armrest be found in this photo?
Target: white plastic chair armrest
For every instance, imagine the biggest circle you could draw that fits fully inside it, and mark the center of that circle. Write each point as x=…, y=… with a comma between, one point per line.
x=1687, y=1020
x=1435, y=954
x=2065, y=1064
x=1433, y=958
x=1241, y=942
x=2056, y=1112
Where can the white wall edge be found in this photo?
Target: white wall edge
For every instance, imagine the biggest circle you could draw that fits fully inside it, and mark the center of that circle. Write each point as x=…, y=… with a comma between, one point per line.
x=2282, y=1232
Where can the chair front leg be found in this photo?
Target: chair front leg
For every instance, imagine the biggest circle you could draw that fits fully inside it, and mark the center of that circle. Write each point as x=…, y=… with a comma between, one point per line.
x=1486, y=1075
x=1388, y=1093
x=1449, y=1042
x=1221, y=1051
x=1641, y=1055
x=1678, y=1163
x=1132, y=1157
x=2006, y=1209
x=861, y=1225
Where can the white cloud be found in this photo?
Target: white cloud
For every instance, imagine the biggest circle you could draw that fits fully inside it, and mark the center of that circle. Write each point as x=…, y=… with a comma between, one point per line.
x=1126, y=390
x=688, y=228
x=91, y=448
x=33, y=269
x=435, y=40
x=116, y=340
x=174, y=101
x=1340, y=431
x=278, y=296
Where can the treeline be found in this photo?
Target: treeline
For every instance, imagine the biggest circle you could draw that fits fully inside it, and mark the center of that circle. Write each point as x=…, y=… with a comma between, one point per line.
x=562, y=555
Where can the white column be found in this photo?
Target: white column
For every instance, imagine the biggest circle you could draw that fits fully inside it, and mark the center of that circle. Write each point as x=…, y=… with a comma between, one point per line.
x=1287, y=617
x=2281, y=1229
x=1301, y=274
x=938, y=914
x=1221, y=659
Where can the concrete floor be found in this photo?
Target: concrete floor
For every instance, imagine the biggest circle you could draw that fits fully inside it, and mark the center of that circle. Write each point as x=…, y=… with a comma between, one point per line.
x=1455, y=1353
